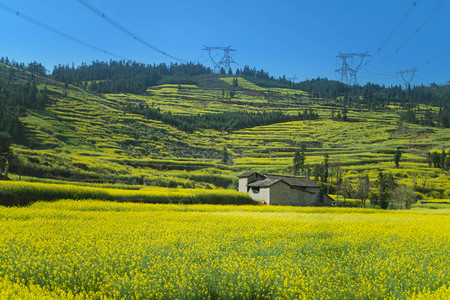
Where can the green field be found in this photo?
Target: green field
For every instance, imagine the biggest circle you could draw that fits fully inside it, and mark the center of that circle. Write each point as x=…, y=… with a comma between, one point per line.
x=81, y=136
x=73, y=232
x=103, y=250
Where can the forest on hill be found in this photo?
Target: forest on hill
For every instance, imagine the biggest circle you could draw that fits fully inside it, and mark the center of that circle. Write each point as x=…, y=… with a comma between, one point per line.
x=132, y=77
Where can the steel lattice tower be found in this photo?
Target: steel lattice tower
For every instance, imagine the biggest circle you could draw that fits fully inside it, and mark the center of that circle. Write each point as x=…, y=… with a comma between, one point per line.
x=225, y=61
x=350, y=66
x=406, y=80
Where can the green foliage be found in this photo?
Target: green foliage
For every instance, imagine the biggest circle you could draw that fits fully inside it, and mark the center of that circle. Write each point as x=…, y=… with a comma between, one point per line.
x=397, y=156
x=78, y=135
x=225, y=156
x=127, y=76
x=226, y=121
x=363, y=189
x=5, y=154
x=404, y=195
x=296, y=163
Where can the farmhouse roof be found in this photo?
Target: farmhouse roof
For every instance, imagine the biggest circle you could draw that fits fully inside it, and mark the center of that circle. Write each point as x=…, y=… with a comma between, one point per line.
x=264, y=183
x=297, y=182
x=248, y=174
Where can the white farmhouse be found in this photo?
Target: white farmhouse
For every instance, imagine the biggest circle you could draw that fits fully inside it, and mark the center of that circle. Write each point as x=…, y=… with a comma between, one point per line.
x=283, y=190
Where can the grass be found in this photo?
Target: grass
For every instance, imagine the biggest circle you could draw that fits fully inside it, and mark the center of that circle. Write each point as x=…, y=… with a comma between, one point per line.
x=95, y=249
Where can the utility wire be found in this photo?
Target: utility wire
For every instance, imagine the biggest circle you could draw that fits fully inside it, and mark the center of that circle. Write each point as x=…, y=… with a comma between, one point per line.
x=60, y=33
x=396, y=28
x=101, y=14
x=442, y=54
x=415, y=32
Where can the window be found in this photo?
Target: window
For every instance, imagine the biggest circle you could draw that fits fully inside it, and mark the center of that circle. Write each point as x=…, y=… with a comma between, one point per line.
x=255, y=190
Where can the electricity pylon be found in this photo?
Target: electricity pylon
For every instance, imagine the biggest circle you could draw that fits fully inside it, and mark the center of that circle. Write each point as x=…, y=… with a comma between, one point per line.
x=408, y=80
x=350, y=66
x=225, y=61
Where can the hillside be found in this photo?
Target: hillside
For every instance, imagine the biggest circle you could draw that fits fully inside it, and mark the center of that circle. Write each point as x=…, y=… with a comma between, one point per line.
x=76, y=134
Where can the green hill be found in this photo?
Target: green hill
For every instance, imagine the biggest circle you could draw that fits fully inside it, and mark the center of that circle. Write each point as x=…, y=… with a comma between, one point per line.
x=175, y=134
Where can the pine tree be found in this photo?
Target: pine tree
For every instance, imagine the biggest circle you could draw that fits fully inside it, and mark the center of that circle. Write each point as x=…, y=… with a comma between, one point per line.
x=397, y=156
x=443, y=159
x=302, y=158
x=5, y=154
x=296, y=163
x=447, y=161
x=325, y=169
x=225, y=156
x=383, y=191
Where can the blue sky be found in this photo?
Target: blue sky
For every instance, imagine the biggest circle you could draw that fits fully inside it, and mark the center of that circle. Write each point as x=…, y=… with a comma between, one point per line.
x=289, y=37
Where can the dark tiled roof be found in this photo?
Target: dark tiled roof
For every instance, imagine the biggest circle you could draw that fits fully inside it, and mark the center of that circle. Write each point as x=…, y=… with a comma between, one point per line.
x=302, y=182
x=263, y=183
x=248, y=174
x=299, y=182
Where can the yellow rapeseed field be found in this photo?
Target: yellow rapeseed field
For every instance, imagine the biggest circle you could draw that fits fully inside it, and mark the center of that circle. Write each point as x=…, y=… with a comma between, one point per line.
x=99, y=250
x=49, y=191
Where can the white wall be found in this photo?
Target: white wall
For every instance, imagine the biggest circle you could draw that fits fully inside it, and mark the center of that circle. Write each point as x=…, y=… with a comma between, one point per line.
x=263, y=194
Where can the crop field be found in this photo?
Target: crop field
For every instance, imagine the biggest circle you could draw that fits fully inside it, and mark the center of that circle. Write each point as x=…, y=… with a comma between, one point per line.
x=98, y=250
x=89, y=137
x=48, y=191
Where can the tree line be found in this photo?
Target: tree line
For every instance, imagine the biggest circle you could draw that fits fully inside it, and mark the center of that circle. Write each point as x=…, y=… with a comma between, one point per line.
x=134, y=77
x=331, y=179
x=225, y=121
x=427, y=117
x=126, y=76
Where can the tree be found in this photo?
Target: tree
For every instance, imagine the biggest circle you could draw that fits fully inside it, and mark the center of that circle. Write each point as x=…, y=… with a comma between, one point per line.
x=404, y=195
x=443, y=159
x=324, y=178
x=397, y=156
x=296, y=163
x=302, y=157
x=429, y=159
x=347, y=190
x=363, y=189
x=447, y=161
x=339, y=179
x=435, y=159
x=5, y=154
x=225, y=156
x=382, y=199
x=317, y=171
x=299, y=160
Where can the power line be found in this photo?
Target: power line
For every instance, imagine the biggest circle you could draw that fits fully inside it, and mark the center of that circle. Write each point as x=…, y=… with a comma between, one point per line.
x=60, y=33
x=442, y=54
x=101, y=14
x=391, y=34
x=435, y=10
x=377, y=74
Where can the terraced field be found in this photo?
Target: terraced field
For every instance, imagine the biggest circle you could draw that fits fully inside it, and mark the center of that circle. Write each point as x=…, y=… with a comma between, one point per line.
x=92, y=137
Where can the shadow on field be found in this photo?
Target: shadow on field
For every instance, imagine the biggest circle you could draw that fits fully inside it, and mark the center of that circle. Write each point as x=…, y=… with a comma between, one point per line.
x=10, y=200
